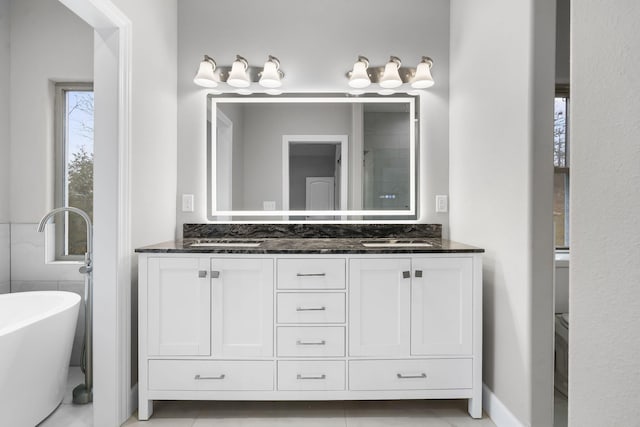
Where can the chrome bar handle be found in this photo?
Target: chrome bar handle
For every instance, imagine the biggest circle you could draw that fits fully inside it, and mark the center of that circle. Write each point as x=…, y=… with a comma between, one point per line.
x=321, y=308
x=301, y=342
x=403, y=376
x=311, y=274
x=200, y=377
x=202, y=274
x=311, y=377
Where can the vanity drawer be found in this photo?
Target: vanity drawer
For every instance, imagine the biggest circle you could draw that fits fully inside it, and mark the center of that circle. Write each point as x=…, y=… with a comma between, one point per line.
x=312, y=273
x=210, y=375
x=311, y=341
x=311, y=307
x=410, y=374
x=311, y=375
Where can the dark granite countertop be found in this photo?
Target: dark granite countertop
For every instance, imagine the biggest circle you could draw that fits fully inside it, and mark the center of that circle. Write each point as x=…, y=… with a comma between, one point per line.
x=307, y=246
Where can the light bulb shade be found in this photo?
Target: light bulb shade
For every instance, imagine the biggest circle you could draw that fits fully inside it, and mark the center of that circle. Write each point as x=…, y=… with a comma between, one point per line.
x=205, y=77
x=359, y=78
x=391, y=77
x=270, y=77
x=423, y=79
x=238, y=76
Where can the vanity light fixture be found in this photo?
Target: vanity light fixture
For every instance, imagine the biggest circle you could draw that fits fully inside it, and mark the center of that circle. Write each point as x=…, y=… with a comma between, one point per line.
x=205, y=77
x=359, y=77
x=240, y=75
x=271, y=76
x=422, y=78
x=390, y=76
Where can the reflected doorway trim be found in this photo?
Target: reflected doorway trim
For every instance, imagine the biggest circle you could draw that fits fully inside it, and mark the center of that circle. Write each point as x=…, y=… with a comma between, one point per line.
x=343, y=140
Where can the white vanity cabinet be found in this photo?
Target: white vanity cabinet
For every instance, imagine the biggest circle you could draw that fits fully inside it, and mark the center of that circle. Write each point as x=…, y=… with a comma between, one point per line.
x=179, y=307
x=310, y=327
x=242, y=307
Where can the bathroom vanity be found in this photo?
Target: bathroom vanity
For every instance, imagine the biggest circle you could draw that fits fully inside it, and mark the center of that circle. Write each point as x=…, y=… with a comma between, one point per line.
x=226, y=317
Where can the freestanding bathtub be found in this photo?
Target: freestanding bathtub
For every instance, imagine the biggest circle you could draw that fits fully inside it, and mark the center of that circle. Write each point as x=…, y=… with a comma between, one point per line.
x=36, y=335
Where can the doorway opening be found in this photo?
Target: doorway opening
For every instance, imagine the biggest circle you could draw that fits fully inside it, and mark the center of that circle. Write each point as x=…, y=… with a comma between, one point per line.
x=315, y=174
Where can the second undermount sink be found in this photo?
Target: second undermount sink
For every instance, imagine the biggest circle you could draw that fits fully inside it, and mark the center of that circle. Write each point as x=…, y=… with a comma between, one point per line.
x=226, y=243
x=395, y=243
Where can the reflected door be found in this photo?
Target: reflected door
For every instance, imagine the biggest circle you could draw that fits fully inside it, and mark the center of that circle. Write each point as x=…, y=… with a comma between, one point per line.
x=319, y=193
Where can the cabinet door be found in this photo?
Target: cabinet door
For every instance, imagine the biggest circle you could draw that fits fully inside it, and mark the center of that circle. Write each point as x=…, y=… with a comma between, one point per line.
x=441, y=306
x=179, y=307
x=379, y=316
x=242, y=312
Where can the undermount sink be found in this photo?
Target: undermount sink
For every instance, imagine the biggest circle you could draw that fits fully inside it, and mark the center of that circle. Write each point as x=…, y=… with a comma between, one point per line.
x=226, y=243
x=395, y=243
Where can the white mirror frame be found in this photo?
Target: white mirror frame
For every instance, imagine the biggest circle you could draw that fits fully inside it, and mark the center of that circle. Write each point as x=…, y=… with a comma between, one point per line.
x=226, y=216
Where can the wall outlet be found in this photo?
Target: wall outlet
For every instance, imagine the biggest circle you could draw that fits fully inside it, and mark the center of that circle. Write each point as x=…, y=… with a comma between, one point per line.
x=187, y=203
x=269, y=205
x=442, y=204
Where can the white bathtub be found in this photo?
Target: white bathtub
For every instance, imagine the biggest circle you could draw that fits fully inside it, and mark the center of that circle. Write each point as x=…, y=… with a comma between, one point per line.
x=36, y=335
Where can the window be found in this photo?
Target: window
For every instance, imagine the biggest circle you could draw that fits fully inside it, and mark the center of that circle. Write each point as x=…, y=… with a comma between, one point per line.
x=74, y=166
x=561, y=168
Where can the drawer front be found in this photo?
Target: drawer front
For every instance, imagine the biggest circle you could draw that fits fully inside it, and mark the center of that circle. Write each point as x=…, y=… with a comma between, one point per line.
x=314, y=273
x=410, y=374
x=210, y=375
x=311, y=308
x=311, y=341
x=311, y=375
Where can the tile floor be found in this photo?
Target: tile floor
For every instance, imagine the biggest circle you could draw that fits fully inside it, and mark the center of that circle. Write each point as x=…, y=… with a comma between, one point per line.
x=68, y=414
x=433, y=413
x=443, y=413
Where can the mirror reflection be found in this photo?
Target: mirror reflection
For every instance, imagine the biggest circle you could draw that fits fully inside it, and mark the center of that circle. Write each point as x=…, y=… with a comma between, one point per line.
x=311, y=158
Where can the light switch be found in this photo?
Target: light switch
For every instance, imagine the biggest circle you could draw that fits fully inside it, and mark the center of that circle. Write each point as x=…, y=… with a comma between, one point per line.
x=187, y=203
x=442, y=204
x=269, y=205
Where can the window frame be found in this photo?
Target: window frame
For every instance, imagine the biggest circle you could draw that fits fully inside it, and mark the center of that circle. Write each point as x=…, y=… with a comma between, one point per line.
x=61, y=165
x=562, y=91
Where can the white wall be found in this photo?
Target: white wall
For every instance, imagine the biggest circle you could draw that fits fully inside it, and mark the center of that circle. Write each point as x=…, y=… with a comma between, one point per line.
x=5, y=72
x=48, y=44
x=604, y=340
x=317, y=42
x=502, y=77
x=5, y=60
x=153, y=135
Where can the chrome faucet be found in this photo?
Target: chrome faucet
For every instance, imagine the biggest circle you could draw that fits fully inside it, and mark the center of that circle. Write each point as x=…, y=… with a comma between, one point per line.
x=87, y=220
x=83, y=393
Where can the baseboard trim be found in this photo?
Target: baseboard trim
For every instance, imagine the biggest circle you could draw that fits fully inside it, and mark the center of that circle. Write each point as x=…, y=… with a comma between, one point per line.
x=497, y=411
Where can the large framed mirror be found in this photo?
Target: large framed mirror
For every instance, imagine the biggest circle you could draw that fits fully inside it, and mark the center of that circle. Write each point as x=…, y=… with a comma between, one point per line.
x=312, y=157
